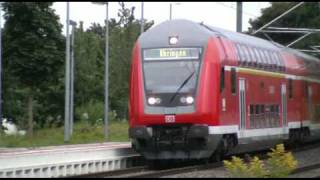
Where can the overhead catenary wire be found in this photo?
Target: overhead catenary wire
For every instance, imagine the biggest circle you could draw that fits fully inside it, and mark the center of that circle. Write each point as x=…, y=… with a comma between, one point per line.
x=232, y=7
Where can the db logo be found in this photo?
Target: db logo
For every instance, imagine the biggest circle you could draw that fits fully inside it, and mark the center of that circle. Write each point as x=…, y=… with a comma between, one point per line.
x=170, y=118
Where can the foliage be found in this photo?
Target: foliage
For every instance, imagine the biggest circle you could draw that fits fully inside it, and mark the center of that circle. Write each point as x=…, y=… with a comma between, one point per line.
x=33, y=65
x=305, y=16
x=89, y=56
x=33, y=56
x=236, y=167
x=93, y=113
x=89, y=68
x=35, y=46
x=280, y=164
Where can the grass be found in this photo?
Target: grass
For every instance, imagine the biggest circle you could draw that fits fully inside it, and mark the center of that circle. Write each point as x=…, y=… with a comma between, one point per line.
x=82, y=134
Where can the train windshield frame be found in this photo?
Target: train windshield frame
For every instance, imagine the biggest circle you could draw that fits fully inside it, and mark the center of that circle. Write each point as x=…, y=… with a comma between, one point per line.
x=171, y=72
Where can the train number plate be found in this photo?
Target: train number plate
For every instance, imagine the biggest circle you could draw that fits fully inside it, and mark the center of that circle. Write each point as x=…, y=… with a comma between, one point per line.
x=170, y=118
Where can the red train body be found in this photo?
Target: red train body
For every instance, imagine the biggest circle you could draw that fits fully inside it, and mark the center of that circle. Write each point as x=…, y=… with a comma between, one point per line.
x=197, y=91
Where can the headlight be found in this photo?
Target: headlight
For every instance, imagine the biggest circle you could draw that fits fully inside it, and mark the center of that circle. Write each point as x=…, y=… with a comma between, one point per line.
x=152, y=100
x=183, y=100
x=158, y=100
x=189, y=100
x=173, y=40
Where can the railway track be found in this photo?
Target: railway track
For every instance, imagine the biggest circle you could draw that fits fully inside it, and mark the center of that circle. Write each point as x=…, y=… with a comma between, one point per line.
x=145, y=172
x=306, y=169
x=172, y=171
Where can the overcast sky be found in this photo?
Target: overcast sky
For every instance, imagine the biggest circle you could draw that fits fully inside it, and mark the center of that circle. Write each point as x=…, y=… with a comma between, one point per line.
x=218, y=14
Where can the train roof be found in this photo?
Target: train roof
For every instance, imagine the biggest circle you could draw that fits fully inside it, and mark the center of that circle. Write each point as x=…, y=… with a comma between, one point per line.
x=193, y=34
x=254, y=41
x=244, y=39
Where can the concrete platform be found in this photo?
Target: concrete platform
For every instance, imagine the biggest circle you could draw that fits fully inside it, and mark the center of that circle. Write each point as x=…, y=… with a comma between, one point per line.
x=66, y=160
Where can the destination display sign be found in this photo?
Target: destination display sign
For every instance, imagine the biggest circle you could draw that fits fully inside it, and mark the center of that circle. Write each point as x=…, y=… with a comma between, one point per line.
x=171, y=53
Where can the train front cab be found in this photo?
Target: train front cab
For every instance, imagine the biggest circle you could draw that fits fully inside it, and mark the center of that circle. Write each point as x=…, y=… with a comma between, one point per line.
x=170, y=125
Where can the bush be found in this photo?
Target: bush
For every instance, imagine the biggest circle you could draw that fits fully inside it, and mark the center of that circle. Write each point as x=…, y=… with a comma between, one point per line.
x=93, y=113
x=280, y=164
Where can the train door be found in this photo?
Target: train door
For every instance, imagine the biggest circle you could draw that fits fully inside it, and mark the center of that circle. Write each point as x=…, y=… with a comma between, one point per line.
x=284, y=106
x=242, y=104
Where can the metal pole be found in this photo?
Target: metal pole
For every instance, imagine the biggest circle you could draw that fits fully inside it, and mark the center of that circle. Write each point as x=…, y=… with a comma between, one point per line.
x=170, y=11
x=239, y=16
x=307, y=50
x=278, y=17
x=106, y=76
x=295, y=29
x=142, y=21
x=299, y=39
x=272, y=31
x=266, y=35
x=0, y=69
x=72, y=78
x=67, y=82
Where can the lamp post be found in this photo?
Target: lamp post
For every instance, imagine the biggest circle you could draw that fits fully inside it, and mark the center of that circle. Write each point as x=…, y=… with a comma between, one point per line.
x=73, y=24
x=106, y=87
x=239, y=16
x=142, y=21
x=67, y=84
x=0, y=69
x=171, y=9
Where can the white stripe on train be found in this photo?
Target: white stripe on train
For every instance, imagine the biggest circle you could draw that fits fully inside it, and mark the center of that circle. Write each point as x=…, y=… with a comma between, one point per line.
x=234, y=129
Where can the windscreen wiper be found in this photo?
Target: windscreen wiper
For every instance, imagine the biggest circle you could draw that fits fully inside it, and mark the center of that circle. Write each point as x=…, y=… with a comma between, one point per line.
x=181, y=86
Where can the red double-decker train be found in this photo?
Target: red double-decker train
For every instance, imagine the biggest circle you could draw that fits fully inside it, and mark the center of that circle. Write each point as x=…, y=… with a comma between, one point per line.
x=198, y=91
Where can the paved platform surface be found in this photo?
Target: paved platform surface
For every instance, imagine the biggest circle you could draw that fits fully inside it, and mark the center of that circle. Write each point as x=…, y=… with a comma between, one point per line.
x=24, y=157
x=72, y=147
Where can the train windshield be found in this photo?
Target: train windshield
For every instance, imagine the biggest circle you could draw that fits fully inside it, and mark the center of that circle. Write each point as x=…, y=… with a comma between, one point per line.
x=167, y=76
x=171, y=72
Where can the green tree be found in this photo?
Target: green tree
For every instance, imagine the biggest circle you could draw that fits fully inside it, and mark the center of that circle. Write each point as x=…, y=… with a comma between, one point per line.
x=122, y=35
x=33, y=49
x=89, y=67
x=305, y=16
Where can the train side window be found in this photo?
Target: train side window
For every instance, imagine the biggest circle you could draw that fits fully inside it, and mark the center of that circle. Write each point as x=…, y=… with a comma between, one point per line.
x=238, y=52
x=270, y=60
x=247, y=55
x=262, y=59
x=263, y=116
x=290, y=89
x=262, y=108
x=252, y=125
x=241, y=53
x=282, y=68
x=251, y=109
x=257, y=116
x=244, y=56
x=266, y=60
x=251, y=57
x=233, y=80
x=222, y=79
x=277, y=63
x=257, y=57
